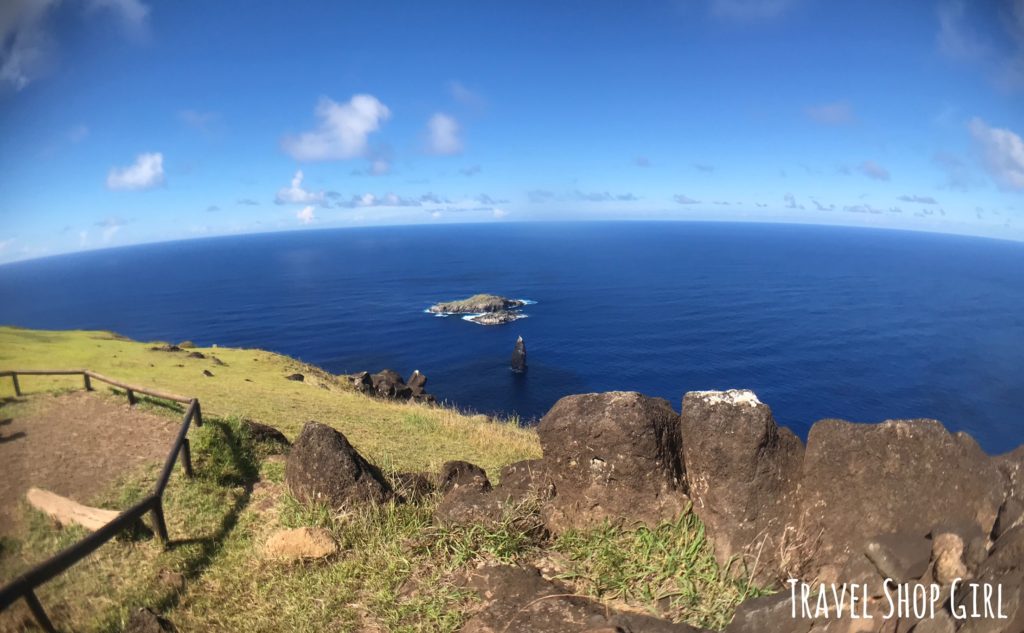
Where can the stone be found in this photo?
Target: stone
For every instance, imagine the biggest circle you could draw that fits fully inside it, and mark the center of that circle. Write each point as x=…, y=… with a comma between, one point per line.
x=519, y=355
x=208, y=373
x=520, y=599
x=196, y=355
x=948, y=552
x=942, y=623
x=772, y=613
x=417, y=382
x=147, y=621
x=495, y=318
x=1011, y=514
x=899, y=476
x=414, y=486
x=362, y=382
x=743, y=472
x=300, y=544
x=324, y=468
x=611, y=456
x=295, y=377
x=469, y=505
x=388, y=384
x=901, y=557
x=477, y=304
x=264, y=433
x=459, y=473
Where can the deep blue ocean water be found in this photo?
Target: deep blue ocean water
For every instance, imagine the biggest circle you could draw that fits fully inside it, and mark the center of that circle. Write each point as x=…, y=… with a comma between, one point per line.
x=819, y=321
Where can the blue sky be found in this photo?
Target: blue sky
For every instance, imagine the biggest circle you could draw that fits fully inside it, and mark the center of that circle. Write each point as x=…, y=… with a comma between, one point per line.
x=127, y=121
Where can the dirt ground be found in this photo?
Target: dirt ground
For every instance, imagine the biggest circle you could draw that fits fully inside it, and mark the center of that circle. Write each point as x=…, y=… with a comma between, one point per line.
x=74, y=444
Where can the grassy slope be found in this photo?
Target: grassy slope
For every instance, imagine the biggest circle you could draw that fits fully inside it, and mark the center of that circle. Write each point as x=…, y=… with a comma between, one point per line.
x=252, y=384
x=396, y=568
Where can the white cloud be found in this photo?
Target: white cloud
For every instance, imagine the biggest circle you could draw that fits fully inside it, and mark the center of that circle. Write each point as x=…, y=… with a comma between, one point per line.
x=682, y=199
x=379, y=167
x=133, y=14
x=873, y=170
x=147, y=172
x=198, y=120
x=836, y=113
x=342, y=131
x=306, y=215
x=110, y=232
x=444, y=134
x=464, y=95
x=499, y=213
x=78, y=133
x=25, y=44
x=83, y=239
x=4, y=244
x=955, y=38
x=295, y=194
x=1002, y=153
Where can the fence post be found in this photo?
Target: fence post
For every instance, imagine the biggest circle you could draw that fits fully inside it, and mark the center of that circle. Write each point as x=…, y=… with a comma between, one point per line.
x=131, y=397
x=87, y=380
x=158, y=520
x=38, y=612
x=17, y=387
x=186, y=458
x=198, y=416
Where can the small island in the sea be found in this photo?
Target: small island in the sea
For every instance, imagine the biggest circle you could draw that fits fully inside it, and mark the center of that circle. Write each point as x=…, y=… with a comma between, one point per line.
x=482, y=309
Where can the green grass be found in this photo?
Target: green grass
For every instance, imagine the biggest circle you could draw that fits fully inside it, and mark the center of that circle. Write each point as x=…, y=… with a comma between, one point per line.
x=395, y=570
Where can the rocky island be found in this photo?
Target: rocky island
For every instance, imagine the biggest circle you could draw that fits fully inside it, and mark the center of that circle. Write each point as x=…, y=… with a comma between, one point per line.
x=482, y=309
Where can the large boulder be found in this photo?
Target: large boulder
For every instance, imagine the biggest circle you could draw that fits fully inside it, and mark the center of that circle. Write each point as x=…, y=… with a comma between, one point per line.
x=611, y=456
x=388, y=383
x=907, y=476
x=323, y=467
x=743, y=472
x=519, y=355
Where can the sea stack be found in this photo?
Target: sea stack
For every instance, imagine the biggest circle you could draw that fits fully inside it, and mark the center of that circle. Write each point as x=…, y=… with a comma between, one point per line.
x=519, y=356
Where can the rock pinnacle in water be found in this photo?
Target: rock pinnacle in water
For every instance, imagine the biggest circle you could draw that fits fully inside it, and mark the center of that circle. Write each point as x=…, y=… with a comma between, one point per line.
x=519, y=356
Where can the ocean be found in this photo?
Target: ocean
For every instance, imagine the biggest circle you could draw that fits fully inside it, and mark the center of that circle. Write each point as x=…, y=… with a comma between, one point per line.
x=858, y=324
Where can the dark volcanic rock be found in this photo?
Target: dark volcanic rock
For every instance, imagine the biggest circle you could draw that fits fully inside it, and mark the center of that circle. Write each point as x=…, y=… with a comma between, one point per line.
x=362, y=382
x=611, y=455
x=323, y=467
x=742, y=471
x=196, y=355
x=520, y=599
x=296, y=377
x=166, y=347
x=455, y=474
x=414, y=486
x=495, y=318
x=264, y=433
x=388, y=384
x=769, y=614
x=147, y=621
x=519, y=355
x=898, y=476
x=476, y=304
x=208, y=373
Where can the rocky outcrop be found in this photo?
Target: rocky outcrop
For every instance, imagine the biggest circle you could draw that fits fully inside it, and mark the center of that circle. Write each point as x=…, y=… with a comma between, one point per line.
x=495, y=318
x=388, y=384
x=520, y=599
x=742, y=471
x=899, y=476
x=519, y=355
x=477, y=304
x=302, y=543
x=611, y=456
x=324, y=468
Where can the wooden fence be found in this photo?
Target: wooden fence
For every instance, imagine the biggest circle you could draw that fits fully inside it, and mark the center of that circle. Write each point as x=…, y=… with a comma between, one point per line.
x=24, y=586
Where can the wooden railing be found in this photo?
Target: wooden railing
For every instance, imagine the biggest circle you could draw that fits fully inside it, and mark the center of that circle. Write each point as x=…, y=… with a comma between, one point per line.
x=24, y=586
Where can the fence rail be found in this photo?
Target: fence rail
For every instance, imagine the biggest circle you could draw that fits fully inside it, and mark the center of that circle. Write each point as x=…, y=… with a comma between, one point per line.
x=24, y=586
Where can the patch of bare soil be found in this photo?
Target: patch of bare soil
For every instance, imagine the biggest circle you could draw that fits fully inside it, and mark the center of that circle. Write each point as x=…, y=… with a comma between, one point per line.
x=75, y=445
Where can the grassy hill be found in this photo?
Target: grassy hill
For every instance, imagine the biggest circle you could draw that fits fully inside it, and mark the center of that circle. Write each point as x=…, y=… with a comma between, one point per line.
x=396, y=568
